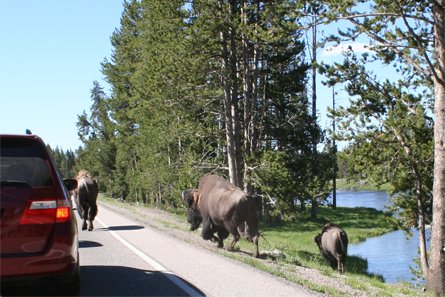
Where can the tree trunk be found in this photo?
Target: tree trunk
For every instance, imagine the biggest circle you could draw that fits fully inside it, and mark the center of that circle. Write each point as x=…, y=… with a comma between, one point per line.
x=420, y=199
x=436, y=273
x=422, y=238
x=314, y=162
x=314, y=206
x=237, y=176
x=256, y=122
x=228, y=62
x=247, y=92
x=231, y=156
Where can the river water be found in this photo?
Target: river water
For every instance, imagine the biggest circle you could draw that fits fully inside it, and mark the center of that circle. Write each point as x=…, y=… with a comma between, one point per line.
x=389, y=255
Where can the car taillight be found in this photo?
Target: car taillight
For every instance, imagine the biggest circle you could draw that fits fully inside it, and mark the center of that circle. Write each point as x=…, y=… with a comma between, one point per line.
x=46, y=212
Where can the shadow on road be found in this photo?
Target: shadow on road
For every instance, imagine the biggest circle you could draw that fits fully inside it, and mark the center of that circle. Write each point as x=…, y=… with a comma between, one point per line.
x=110, y=281
x=88, y=244
x=126, y=281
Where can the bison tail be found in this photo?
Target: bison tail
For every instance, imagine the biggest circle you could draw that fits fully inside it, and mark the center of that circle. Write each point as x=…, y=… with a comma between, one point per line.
x=344, y=242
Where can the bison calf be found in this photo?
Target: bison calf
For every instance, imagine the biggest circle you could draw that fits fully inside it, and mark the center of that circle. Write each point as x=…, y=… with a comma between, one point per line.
x=333, y=245
x=222, y=208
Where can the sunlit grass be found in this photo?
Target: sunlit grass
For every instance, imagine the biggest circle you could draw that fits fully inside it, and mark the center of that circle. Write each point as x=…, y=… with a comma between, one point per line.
x=296, y=239
x=363, y=185
x=295, y=242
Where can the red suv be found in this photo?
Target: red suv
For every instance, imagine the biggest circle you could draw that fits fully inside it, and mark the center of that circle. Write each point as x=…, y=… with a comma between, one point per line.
x=38, y=234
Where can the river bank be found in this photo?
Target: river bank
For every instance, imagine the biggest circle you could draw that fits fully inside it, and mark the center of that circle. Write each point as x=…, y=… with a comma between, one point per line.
x=344, y=184
x=298, y=258
x=399, y=260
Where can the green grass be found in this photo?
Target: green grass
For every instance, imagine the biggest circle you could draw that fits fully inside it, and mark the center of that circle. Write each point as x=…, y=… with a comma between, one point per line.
x=296, y=239
x=363, y=185
x=296, y=242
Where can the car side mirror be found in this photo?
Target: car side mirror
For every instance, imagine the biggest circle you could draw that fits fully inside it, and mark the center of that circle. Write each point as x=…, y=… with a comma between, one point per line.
x=70, y=183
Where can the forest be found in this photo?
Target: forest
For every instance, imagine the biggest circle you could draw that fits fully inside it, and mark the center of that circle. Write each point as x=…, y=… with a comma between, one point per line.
x=229, y=87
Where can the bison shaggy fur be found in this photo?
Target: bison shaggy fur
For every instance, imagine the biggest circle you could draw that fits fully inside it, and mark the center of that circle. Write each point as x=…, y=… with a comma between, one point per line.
x=223, y=209
x=333, y=245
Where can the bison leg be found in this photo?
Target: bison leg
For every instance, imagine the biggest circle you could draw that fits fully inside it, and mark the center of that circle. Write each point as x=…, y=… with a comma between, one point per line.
x=92, y=212
x=218, y=240
x=234, y=241
x=242, y=230
x=222, y=234
x=84, y=225
x=333, y=263
x=256, y=252
x=209, y=229
x=90, y=225
x=207, y=232
x=341, y=265
x=236, y=236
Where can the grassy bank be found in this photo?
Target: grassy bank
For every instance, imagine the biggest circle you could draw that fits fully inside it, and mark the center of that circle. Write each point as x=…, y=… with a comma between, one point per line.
x=363, y=185
x=294, y=249
x=296, y=239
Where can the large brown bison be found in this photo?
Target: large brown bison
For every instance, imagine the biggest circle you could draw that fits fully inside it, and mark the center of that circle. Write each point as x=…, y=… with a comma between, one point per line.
x=222, y=208
x=333, y=245
x=85, y=196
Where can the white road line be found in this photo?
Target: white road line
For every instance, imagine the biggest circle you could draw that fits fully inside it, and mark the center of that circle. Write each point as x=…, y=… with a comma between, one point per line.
x=156, y=265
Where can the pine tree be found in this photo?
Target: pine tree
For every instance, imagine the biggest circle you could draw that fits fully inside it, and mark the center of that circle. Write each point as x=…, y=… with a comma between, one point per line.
x=202, y=87
x=119, y=72
x=97, y=133
x=410, y=35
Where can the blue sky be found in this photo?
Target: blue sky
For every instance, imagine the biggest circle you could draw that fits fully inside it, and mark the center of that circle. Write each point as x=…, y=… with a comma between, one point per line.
x=50, y=54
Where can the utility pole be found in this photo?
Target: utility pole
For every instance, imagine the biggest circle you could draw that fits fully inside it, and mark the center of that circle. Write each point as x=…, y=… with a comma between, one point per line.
x=334, y=180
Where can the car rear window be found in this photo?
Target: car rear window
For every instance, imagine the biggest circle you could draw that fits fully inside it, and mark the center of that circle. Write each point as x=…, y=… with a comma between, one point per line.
x=23, y=160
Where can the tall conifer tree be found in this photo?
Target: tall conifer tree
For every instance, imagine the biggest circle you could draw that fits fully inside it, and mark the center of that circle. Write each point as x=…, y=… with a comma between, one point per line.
x=411, y=34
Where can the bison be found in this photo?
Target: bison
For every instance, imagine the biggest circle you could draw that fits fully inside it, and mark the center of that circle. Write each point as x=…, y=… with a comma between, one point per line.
x=222, y=208
x=85, y=196
x=333, y=245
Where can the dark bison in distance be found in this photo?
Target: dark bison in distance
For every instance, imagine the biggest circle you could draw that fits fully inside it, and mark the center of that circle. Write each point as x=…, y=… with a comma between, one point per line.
x=85, y=196
x=333, y=245
x=222, y=208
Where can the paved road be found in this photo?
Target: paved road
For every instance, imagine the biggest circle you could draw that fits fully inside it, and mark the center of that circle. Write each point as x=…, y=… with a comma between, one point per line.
x=123, y=258
x=115, y=261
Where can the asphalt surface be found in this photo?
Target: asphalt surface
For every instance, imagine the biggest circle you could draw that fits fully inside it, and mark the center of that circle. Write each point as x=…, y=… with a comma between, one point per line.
x=123, y=258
